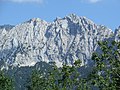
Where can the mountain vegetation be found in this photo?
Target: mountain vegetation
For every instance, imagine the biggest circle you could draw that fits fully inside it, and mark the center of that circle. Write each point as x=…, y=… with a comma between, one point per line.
x=6, y=83
x=105, y=74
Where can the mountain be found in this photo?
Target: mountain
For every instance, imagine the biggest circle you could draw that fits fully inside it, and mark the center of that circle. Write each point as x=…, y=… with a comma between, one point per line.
x=63, y=41
x=34, y=43
x=117, y=34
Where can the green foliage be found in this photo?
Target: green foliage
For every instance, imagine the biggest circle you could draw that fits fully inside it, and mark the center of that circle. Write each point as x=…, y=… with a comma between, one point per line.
x=5, y=82
x=65, y=78
x=37, y=81
x=106, y=72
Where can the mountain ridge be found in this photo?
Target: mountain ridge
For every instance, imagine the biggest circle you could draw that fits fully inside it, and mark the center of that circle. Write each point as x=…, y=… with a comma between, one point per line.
x=62, y=41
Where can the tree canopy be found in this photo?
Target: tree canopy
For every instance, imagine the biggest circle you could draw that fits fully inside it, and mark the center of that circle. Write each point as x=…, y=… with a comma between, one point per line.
x=106, y=72
x=6, y=83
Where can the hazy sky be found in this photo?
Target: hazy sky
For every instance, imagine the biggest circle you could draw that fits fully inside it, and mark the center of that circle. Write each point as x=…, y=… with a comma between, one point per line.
x=105, y=12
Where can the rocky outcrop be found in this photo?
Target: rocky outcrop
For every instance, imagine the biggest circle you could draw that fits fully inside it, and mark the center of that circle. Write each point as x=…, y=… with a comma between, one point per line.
x=117, y=34
x=63, y=41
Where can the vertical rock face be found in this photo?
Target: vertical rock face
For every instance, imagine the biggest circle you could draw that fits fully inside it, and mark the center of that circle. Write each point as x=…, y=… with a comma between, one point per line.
x=63, y=41
x=117, y=34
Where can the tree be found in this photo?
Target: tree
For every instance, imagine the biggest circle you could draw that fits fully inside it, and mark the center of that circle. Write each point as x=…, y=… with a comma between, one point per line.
x=6, y=83
x=38, y=82
x=64, y=78
x=106, y=72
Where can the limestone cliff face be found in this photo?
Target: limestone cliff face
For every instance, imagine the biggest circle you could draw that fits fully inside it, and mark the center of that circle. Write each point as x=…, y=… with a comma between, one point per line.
x=117, y=34
x=63, y=41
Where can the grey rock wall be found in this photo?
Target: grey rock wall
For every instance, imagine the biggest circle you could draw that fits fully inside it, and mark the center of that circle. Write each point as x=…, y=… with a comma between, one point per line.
x=63, y=41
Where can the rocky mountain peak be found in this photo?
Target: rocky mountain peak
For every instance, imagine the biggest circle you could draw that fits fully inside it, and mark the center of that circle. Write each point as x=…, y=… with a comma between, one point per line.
x=6, y=27
x=35, y=20
x=117, y=34
x=63, y=41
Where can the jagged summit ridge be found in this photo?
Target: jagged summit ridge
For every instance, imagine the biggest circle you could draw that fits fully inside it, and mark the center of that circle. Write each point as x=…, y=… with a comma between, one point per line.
x=63, y=41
